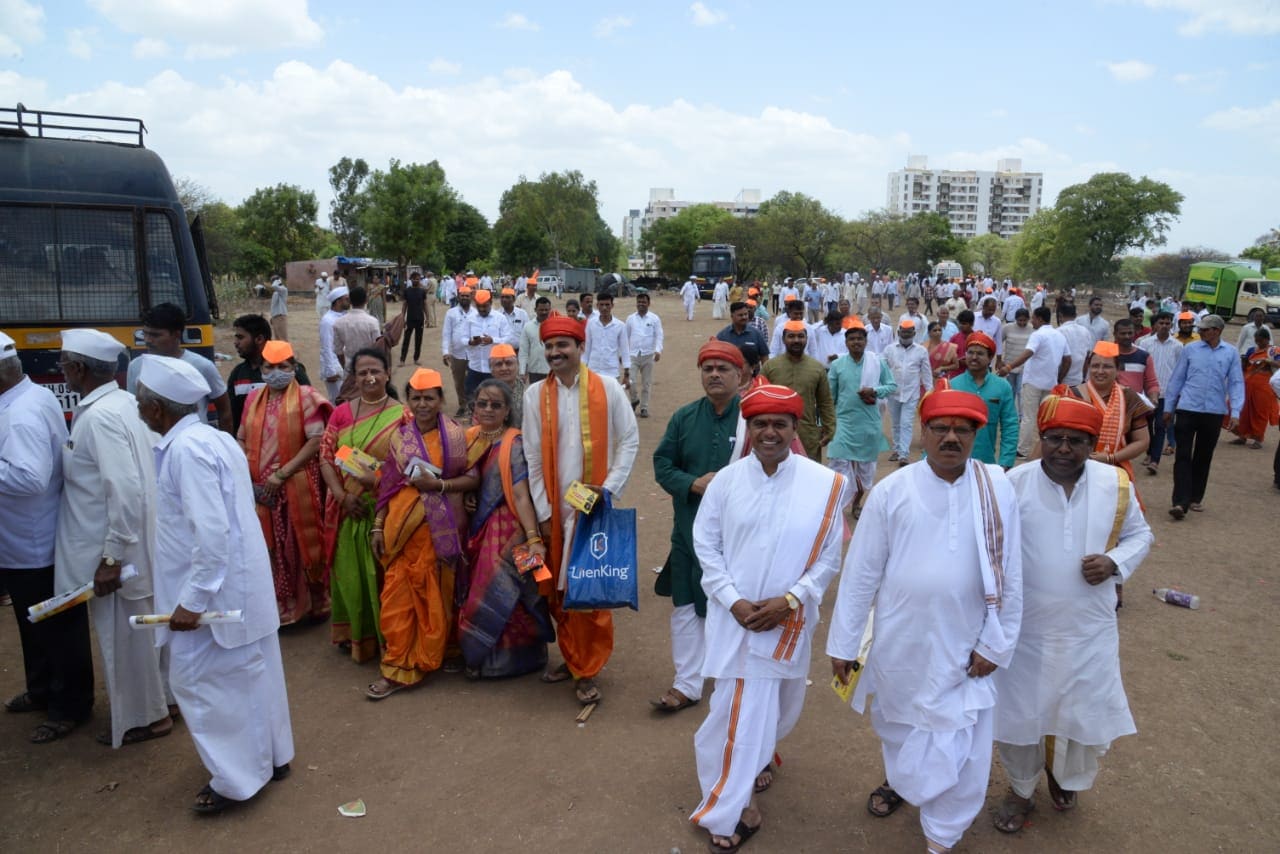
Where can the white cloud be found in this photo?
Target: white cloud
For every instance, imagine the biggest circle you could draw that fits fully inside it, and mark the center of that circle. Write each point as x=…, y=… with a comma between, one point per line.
x=440, y=65
x=23, y=23
x=1201, y=80
x=608, y=26
x=212, y=30
x=704, y=16
x=1130, y=70
x=517, y=21
x=1240, y=17
x=29, y=90
x=150, y=49
x=1265, y=119
x=80, y=42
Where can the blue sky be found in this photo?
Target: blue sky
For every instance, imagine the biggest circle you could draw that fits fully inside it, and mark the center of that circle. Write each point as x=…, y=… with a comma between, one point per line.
x=707, y=98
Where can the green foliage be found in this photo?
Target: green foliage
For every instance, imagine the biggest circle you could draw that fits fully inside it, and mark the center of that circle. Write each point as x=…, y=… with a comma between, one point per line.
x=1265, y=249
x=991, y=251
x=797, y=232
x=560, y=208
x=347, y=177
x=674, y=239
x=520, y=245
x=282, y=221
x=466, y=238
x=1034, y=250
x=406, y=211
x=743, y=233
x=883, y=241
x=1168, y=271
x=1133, y=269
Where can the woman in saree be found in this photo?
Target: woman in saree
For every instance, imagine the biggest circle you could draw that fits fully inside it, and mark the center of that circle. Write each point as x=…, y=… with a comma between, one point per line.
x=1260, y=406
x=280, y=433
x=504, y=626
x=418, y=535
x=358, y=427
x=944, y=358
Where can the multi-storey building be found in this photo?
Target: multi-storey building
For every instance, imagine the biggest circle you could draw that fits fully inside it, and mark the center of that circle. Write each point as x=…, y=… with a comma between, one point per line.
x=975, y=202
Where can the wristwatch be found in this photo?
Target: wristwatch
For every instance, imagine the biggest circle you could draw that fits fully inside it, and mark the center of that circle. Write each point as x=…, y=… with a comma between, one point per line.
x=792, y=602
x=109, y=561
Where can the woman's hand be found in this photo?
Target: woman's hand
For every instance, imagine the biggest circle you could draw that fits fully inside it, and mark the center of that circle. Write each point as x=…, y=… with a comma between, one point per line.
x=272, y=484
x=426, y=482
x=470, y=502
x=354, y=506
x=538, y=549
x=369, y=480
x=378, y=543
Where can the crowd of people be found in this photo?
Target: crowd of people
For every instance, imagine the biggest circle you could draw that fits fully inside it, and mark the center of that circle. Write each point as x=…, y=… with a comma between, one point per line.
x=434, y=535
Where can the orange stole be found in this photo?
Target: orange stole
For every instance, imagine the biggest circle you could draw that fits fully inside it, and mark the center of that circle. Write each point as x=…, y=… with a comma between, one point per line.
x=477, y=447
x=585, y=637
x=290, y=438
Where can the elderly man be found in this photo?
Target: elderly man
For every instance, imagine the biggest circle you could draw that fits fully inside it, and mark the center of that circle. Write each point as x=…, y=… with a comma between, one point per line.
x=807, y=377
x=1207, y=385
x=455, y=342
x=323, y=294
x=107, y=521
x=533, y=359
x=356, y=330
x=879, y=334
x=279, y=309
x=330, y=367
x=912, y=375
x=941, y=561
x=645, y=336
x=1061, y=701
x=557, y=455
x=858, y=380
x=765, y=566
x=55, y=652
x=210, y=557
x=689, y=295
x=998, y=441
x=988, y=322
x=698, y=442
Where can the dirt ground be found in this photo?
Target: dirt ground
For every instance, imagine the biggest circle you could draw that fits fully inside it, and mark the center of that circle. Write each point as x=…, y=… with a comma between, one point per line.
x=502, y=766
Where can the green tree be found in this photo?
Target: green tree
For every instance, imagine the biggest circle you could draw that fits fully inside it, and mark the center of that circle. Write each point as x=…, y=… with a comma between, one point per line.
x=1266, y=249
x=883, y=241
x=1168, y=270
x=742, y=233
x=1133, y=268
x=989, y=250
x=347, y=177
x=467, y=237
x=407, y=210
x=561, y=207
x=520, y=245
x=1035, y=251
x=281, y=220
x=798, y=231
x=674, y=239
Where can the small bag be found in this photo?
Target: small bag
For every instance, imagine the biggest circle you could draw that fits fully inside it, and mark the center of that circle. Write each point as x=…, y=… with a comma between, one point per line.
x=602, y=561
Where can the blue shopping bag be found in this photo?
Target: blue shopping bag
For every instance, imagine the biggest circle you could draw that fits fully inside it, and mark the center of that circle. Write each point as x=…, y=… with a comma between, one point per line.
x=602, y=560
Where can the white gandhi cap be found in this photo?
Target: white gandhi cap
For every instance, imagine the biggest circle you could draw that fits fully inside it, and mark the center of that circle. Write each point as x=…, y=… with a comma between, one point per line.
x=92, y=343
x=173, y=379
x=337, y=294
x=8, y=348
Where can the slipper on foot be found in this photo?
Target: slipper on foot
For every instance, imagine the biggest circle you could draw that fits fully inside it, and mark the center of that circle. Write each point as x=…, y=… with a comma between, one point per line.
x=743, y=831
x=891, y=801
x=209, y=802
x=672, y=701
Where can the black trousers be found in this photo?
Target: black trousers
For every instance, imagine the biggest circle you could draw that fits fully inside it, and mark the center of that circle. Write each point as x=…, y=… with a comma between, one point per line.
x=55, y=652
x=416, y=332
x=1156, y=430
x=1197, y=435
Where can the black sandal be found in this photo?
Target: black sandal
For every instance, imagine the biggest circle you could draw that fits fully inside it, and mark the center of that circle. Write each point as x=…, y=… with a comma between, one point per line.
x=742, y=831
x=215, y=804
x=892, y=800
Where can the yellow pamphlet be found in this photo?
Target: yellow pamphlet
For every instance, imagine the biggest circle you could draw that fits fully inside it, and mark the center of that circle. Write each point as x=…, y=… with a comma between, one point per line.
x=579, y=497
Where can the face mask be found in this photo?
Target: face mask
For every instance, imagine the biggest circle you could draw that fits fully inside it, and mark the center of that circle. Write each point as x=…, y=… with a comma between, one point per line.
x=277, y=379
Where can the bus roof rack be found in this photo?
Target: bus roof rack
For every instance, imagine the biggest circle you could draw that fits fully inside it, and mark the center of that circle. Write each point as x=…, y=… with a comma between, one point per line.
x=21, y=121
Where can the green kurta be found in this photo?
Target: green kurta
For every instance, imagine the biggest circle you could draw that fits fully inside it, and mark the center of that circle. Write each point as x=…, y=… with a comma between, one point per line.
x=697, y=441
x=859, y=428
x=807, y=378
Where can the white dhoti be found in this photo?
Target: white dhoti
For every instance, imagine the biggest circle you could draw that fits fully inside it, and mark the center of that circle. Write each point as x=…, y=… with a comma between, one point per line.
x=944, y=774
x=718, y=309
x=132, y=664
x=1074, y=765
x=746, y=720
x=237, y=708
x=862, y=475
x=688, y=645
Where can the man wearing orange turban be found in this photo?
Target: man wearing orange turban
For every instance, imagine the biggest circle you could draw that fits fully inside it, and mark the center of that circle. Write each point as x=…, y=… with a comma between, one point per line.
x=799, y=371
x=1061, y=701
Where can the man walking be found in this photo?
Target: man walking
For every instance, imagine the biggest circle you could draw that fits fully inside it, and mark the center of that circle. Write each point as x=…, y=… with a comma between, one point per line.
x=607, y=350
x=454, y=342
x=743, y=333
x=644, y=333
x=909, y=363
x=698, y=442
x=1044, y=363
x=330, y=367
x=719, y=300
x=1094, y=321
x=859, y=380
x=279, y=309
x=1164, y=350
x=765, y=566
x=689, y=296
x=1205, y=370
x=415, y=317
x=804, y=375
x=1061, y=702
x=997, y=442
x=532, y=358
x=355, y=330
x=484, y=329
x=322, y=291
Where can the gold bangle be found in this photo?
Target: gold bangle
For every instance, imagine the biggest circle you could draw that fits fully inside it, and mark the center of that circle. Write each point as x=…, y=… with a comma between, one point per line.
x=375, y=531
x=532, y=532
x=532, y=540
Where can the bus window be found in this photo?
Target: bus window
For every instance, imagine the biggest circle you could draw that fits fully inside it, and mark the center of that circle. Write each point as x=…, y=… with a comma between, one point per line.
x=28, y=286
x=162, y=262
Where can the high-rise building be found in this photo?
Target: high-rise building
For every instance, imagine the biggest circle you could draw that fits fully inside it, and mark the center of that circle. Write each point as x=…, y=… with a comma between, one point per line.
x=663, y=204
x=975, y=202
x=631, y=228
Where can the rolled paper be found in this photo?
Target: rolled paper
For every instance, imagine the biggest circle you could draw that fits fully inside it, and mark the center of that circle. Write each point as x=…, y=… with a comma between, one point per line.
x=147, y=621
x=65, y=601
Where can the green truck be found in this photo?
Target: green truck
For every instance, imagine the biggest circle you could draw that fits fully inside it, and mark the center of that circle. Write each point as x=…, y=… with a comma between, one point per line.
x=1233, y=290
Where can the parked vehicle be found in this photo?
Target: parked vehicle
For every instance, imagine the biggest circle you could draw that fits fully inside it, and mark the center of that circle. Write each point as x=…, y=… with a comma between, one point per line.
x=713, y=263
x=1233, y=290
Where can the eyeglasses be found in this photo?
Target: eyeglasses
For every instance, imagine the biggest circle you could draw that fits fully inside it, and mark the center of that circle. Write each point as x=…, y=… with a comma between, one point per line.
x=490, y=404
x=1076, y=443
x=940, y=430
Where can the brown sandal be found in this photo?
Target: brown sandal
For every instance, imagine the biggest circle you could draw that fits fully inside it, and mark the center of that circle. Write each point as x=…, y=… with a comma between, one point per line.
x=672, y=700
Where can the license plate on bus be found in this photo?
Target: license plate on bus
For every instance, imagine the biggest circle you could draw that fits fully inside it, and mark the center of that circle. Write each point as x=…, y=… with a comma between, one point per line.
x=68, y=398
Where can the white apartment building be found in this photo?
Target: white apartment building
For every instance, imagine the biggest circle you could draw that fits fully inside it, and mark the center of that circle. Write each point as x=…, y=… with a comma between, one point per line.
x=975, y=202
x=663, y=204
x=631, y=229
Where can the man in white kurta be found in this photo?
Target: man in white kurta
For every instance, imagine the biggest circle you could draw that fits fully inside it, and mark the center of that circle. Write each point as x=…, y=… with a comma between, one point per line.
x=765, y=566
x=228, y=678
x=689, y=296
x=106, y=521
x=720, y=300
x=1061, y=700
x=937, y=551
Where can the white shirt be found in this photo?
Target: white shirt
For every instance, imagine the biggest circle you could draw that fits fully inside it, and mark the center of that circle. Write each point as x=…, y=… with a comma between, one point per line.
x=533, y=356
x=210, y=555
x=990, y=326
x=1164, y=355
x=644, y=331
x=516, y=320
x=826, y=346
x=454, y=336
x=1011, y=305
x=911, y=371
x=1080, y=342
x=1047, y=348
x=495, y=326
x=207, y=369
x=776, y=347
x=879, y=340
x=689, y=293
x=1097, y=326
x=329, y=365
x=108, y=500
x=607, y=346
x=526, y=302
x=1037, y=300
x=33, y=435
x=353, y=332
x=787, y=294
x=721, y=292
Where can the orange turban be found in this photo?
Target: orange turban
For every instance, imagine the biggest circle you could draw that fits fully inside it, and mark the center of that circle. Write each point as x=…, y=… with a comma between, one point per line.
x=464, y=291
x=945, y=401
x=982, y=339
x=559, y=326
x=906, y=323
x=1105, y=349
x=276, y=352
x=795, y=326
x=425, y=378
x=1070, y=414
x=502, y=351
x=1186, y=315
x=853, y=322
x=483, y=296
x=772, y=400
x=752, y=303
x=723, y=351
x=508, y=292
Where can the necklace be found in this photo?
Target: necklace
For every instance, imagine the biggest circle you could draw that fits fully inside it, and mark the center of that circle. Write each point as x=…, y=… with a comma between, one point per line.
x=380, y=401
x=373, y=420
x=492, y=434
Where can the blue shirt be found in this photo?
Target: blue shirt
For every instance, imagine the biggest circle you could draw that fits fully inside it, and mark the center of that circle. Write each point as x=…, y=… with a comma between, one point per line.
x=1201, y=375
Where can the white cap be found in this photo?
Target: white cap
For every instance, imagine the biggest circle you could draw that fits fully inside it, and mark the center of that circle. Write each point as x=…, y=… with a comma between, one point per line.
x=337, y=294
x=325, y=274
x=173, y=379
x=8, y=347
x=92, y=343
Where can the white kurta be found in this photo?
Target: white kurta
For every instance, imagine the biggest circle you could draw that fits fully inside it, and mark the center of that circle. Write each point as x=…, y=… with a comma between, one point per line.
x=108, y=509
x=1064, y=679
x=210, y=556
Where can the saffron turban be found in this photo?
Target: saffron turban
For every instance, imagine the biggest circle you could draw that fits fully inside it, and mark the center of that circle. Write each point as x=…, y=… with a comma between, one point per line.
x=772, y=400
x=795, y=326
x=1105, y=349
x=752, y=303
x=276, y=352
x=425, y=378
x=944, y=402
x=482, y=296
x=722, y=351
x=508, y=292
x=559, y=326
x=981, y=339
x=1069, y=414
x=502, y=351
x=853, y=322
x=464, y=291
x=1186, y=315
x=907, y=323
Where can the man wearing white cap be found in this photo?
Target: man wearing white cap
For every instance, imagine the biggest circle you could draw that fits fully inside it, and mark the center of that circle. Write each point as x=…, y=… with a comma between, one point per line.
x=330, y=367
x=55, y=652
x=909, y=363
x=323, y=294
x=106, y=521
x=210, y=556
